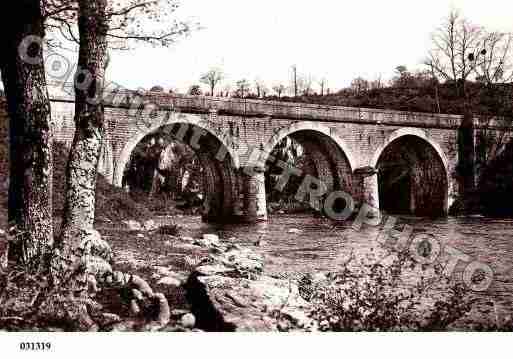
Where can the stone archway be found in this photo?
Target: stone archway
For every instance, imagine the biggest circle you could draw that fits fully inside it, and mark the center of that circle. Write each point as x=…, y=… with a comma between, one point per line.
x=219, y=163
x=314, y=127
x=413, y=175
x=327, y=159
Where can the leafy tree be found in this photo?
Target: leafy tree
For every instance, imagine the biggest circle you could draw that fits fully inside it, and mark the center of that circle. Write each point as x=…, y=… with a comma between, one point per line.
x=195, y=90
x=157, y=89
x=403, y=77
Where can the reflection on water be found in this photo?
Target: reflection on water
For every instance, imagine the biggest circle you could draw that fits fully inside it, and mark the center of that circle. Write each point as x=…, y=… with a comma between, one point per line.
x=319, y=244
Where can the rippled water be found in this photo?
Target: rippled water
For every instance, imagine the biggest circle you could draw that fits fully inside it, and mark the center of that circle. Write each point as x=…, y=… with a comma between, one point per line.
x=318, y=244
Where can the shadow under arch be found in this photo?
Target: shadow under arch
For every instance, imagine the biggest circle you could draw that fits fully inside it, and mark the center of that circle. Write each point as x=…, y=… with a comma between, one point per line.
x=218, y=160
x=327, y=157
x=314, y=128
x=413, y=176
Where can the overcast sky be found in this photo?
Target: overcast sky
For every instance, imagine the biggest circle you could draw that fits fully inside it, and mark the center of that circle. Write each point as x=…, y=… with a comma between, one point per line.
x=336, y=39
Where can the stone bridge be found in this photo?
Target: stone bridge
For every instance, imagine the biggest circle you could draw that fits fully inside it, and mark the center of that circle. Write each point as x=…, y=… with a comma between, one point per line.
x=352, y=150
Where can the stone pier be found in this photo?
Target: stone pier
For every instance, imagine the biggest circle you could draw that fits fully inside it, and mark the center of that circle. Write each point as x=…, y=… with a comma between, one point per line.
x=254, y=207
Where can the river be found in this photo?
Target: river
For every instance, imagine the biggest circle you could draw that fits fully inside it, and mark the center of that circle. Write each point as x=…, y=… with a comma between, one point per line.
x=302, y=243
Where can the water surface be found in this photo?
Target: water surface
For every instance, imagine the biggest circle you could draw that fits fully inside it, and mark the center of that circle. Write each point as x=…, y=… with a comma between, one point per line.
x=301, y=243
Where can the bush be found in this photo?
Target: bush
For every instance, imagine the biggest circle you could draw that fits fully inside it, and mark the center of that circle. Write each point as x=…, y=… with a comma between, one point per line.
x=397, y=296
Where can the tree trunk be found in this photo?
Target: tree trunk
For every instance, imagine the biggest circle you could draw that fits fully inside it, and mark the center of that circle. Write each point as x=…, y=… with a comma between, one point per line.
x=31, y=168
x=81, y=171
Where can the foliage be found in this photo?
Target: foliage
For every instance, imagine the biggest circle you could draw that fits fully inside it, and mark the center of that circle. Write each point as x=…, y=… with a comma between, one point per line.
x=420, y=96
x=195, y=90
x=375, y=296
x=157, y=88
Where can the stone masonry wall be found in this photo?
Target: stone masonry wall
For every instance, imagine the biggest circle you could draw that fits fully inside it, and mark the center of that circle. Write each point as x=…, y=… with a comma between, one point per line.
x=361, y=141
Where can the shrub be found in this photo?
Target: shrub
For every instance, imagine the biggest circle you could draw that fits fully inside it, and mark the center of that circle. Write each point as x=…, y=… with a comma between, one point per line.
x=374, y=296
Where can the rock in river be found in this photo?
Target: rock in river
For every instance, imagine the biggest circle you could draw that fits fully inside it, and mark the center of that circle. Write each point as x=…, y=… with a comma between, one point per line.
x=231, y=294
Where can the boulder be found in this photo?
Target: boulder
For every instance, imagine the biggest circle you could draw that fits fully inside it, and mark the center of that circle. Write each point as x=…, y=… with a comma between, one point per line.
x=215, y=269
x=92, y=244
x=166, y=276
x=133, y=225
x=222, y=303
x=243, y=260
x=208, y=241
x=214, y=238
x=162, y=271
x=188, y=321
x=107, y=319
x=150, y=225
x=170, y=282
x=231, y=294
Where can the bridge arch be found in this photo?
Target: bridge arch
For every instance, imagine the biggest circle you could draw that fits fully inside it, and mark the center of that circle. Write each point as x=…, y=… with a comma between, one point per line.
x=413, y=174
x=327, y=164
x=315, y=128
x=219, y=161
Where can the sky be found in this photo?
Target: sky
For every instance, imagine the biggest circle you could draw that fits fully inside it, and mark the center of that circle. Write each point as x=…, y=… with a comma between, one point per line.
x=335, y=39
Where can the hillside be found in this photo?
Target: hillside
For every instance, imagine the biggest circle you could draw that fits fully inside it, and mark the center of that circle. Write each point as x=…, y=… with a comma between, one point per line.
x=484, y=100
x=111, y=203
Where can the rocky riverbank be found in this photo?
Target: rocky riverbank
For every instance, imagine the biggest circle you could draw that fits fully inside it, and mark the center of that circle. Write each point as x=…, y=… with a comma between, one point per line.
x=222, y=285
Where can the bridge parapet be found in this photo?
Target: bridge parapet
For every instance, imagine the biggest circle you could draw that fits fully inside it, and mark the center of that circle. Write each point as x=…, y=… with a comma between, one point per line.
x=274, y=109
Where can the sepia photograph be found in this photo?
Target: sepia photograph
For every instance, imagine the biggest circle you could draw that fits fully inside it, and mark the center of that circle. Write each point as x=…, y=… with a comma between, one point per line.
x=295, y=171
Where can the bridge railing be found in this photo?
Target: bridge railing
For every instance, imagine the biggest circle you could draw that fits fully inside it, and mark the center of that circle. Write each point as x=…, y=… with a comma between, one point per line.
x=301, y=111
x=277, y=109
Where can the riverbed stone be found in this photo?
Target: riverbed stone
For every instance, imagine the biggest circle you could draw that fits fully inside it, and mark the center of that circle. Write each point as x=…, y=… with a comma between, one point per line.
x=208, y=240
x=231, y=294
x=223, y=303
x=162, y=271
x=188, y=321
x=107, y=319
x=170, y=282
x=150, y=225
x=244, y=260
x=133, y=225
x=215, y=269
